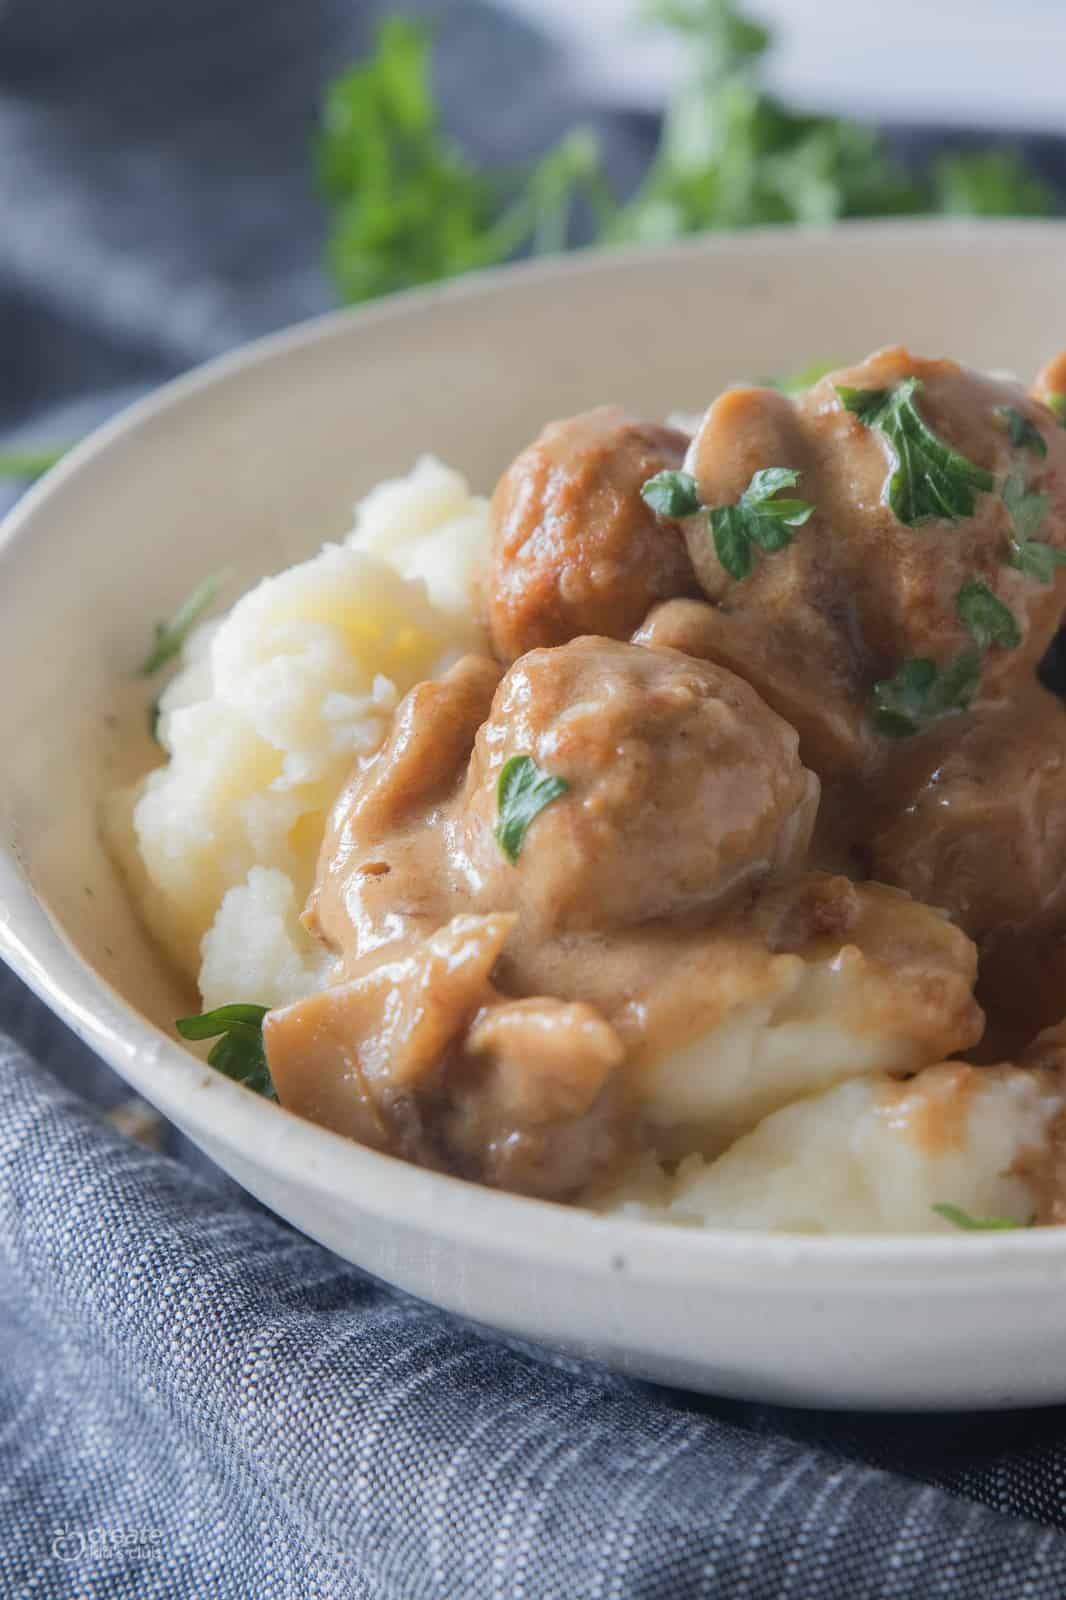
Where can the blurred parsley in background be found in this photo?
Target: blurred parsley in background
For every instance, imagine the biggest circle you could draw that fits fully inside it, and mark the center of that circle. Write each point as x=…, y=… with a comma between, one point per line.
x=407, y=207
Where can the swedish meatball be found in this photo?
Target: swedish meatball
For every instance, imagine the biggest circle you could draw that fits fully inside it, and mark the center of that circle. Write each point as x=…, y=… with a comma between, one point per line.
x=977, y=819
x=683, y=786
x=574, y=548
x=858, y=592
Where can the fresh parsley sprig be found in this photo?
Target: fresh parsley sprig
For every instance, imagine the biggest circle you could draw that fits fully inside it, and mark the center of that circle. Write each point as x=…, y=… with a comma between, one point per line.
x=522, y=792
x=927, y=479
x=921, y=691
x=1027, y=511
x=986, y=618
x=406, y=204
x=238, y=1052
x=1023, y=434
x=672, y=494
x=171, y=636
x=758, y=519
x=963, y=1219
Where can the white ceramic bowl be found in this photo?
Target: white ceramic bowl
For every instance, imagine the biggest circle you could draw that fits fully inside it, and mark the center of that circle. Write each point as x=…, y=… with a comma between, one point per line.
x=256, y=460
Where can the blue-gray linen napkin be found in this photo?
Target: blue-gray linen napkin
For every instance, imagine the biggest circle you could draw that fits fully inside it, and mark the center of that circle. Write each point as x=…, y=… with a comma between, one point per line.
x=195, y=1401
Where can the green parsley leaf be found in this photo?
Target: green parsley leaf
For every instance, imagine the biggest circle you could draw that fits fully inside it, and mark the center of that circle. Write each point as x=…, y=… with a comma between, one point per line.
x=1040, y=561
x=962, y=1219
x=170, y=636
x=901, y=704
x=1027, y=512
x=406, y=205
x=731, y=542
x=758, y=518
x=1057, y=403
x=30, y=464
x=671, y=494
x=239, y=1051
x=921, y=692
x=987, y=620
x=927, y=478
x=1023, y=434
x=522, y=793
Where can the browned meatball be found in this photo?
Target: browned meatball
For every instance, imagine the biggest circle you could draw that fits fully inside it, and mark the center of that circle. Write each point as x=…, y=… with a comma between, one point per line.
x=859, y=592
x=977, y=814
x=683, y=786
x=574, y=548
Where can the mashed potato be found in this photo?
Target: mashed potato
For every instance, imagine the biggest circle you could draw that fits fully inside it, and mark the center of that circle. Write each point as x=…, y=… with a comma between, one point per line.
x=263, y=721
x=872, y=1155
x=889, y=991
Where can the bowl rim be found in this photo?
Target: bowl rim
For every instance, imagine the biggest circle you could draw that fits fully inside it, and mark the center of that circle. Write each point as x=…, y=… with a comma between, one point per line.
x=171, y=1076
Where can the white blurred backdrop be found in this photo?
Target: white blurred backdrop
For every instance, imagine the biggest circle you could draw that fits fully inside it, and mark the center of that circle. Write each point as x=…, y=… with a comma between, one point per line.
x=979, y=63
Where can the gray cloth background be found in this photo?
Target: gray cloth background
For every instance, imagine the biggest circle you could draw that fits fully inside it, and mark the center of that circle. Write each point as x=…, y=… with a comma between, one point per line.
x=194, y=1400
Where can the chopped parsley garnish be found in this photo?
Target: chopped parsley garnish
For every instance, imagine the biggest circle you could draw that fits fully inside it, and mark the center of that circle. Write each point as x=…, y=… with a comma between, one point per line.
x=758, y=518
x=1057, y=403
x=170, y=636
x=1023, y=434
x=1027, y=511
x=921, y=692
x=30, y=464
x=522, y=793
x=962, y=1219
x=238, y=1052
x=1040, y=561
x=671, y=494
x=927, y=478
x=987, y=620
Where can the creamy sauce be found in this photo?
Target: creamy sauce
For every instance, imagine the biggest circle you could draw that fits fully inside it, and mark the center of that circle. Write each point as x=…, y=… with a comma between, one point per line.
x=934, y=1114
